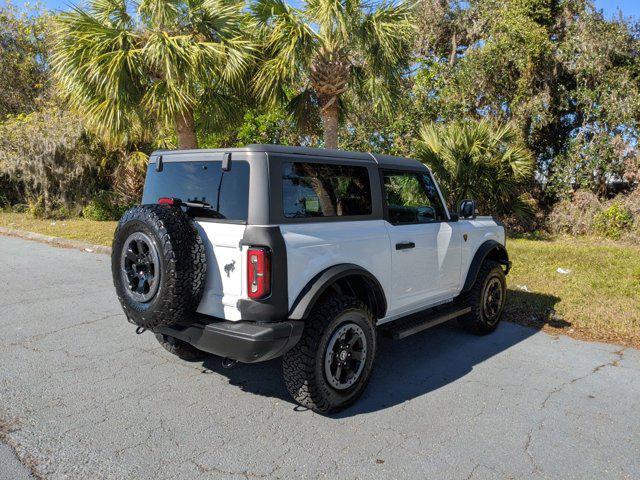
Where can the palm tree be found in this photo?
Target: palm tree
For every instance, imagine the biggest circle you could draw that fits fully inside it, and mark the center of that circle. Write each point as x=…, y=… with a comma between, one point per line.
x=131, y=66
x=332, y=47
x=479, y=160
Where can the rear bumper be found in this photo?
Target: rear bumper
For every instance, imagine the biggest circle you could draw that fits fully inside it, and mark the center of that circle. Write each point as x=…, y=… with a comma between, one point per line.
x=243, y=341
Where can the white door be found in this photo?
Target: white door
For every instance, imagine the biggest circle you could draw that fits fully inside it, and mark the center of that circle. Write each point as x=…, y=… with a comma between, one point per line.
x=449, y=245
x=414, y=263
x=425, y=250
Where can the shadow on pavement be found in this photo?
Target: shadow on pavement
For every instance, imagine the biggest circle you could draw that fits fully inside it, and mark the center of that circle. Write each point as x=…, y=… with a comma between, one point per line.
x=404, y=369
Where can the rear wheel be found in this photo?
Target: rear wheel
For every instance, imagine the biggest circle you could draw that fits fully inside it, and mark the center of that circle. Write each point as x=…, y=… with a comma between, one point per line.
x=331, y=365
x=180, y=349
x=486, y=298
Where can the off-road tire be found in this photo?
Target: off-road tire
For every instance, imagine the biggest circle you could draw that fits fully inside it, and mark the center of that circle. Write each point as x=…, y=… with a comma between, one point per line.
x=180, y=349
x=303, y=365
x=476, y=321
x=182, y=265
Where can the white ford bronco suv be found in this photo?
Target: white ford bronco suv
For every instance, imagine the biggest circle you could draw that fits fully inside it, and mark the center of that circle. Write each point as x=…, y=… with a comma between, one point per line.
x=266, y=251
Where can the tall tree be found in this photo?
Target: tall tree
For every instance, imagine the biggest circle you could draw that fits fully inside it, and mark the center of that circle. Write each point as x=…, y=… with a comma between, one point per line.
x=130, y=66
x=47, y=152
x=23, y=54
x=565, y=75
x=330, y=48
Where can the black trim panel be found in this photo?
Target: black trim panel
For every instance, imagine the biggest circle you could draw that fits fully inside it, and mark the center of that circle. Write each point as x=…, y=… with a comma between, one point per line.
x=316, y=287
x=246, y=342
x=479, y=257
x=276, y=306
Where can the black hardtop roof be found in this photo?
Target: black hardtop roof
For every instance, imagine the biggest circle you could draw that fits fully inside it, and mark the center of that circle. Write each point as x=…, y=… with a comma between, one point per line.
x=388, y=161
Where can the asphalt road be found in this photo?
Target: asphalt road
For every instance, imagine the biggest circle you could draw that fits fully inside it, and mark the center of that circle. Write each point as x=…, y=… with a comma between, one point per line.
x=82, y=396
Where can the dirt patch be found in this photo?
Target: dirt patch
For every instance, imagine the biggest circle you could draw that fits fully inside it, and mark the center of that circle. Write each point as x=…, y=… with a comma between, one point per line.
x=7, y=428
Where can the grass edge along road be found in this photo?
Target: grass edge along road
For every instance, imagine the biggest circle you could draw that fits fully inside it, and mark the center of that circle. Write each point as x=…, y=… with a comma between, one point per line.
x=582, y=287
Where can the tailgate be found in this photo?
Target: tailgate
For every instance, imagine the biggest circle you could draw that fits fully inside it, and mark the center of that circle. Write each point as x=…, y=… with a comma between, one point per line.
x=225, y=268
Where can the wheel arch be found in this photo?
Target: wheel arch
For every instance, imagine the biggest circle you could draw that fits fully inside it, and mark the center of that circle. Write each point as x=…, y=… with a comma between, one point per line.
x=489, y=250
x=349, y=279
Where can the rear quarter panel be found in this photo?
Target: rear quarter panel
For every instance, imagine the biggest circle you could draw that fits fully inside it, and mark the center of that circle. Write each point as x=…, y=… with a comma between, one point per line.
x=314, y=247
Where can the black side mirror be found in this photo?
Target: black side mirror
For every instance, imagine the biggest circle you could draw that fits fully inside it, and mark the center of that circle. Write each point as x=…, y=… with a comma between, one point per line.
x=468, y=209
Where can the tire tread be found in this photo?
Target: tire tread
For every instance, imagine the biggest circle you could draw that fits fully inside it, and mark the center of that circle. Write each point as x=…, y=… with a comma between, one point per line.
x=474, y=321
x=299, y=363
x=184, y=271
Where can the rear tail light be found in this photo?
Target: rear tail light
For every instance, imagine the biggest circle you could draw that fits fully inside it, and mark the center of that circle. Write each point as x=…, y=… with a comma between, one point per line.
x=169, y=201
x=258, y=272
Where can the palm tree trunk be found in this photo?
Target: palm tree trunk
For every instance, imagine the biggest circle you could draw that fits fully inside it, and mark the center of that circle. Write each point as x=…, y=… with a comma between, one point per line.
x=186, y=130
x=329, y=115
x=454, y=50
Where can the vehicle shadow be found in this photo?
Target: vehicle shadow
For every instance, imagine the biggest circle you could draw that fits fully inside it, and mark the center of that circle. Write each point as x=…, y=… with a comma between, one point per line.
x=405, y=369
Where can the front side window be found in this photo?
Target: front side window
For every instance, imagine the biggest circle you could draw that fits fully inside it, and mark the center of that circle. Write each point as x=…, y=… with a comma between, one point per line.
x=323, y=190
x=412, y=198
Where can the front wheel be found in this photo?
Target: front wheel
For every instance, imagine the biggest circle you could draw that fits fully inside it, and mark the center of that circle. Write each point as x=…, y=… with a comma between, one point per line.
x=331, y=365
x=486, y=298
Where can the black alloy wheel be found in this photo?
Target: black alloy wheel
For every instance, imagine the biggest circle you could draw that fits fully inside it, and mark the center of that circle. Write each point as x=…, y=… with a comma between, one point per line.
x=345, y=355
x=140, y=267
x=493, y=298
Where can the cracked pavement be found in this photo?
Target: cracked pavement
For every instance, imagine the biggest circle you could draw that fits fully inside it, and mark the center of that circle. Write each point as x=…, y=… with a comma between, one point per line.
x=82, y=396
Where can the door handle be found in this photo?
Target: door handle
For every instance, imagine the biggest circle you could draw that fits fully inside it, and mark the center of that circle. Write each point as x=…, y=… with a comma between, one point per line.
x=405, y=245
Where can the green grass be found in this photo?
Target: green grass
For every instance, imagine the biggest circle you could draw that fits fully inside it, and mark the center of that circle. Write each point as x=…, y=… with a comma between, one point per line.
x=99, y=233
x=598, y=300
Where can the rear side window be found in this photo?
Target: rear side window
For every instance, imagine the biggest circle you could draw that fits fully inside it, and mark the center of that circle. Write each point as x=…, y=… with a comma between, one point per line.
x=323, y=190
x=223, y=195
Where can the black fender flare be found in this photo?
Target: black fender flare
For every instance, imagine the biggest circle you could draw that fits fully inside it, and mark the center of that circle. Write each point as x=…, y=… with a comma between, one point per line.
x=489, y=248
x=319, y=284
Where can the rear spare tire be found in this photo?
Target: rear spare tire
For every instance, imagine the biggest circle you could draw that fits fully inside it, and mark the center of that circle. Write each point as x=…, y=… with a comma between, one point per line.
x=158, y=265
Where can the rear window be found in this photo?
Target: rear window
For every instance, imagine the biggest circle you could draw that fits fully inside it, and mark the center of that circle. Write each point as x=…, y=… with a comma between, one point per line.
x=227, y=193
x=322, y=190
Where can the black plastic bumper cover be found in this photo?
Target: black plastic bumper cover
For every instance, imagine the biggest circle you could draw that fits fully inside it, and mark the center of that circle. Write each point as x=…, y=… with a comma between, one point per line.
x=243, y=341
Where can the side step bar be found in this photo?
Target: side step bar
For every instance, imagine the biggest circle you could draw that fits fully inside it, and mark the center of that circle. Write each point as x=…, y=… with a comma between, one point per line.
x=418, y=322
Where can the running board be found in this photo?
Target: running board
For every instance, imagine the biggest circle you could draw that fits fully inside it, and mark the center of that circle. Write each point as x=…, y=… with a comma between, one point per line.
x=418, y=322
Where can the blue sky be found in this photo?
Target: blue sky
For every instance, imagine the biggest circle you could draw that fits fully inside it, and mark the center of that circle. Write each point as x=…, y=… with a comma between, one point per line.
x=629, y=8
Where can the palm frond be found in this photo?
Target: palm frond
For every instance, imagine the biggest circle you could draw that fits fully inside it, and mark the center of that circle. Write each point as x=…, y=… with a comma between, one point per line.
x=303, y=107
x=265, y=11
x=159, y=14
x=288, y=45
x=332, y=19
x=479, y=160
x=122, y=73
x=386, y=34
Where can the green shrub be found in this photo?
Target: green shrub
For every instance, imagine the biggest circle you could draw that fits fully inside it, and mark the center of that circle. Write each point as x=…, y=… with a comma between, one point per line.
x=103, y=208
x=36, y=209
x=4, y=201
x=613, y=221
x=575, y=216
x=96, y=210
x=20, y=208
